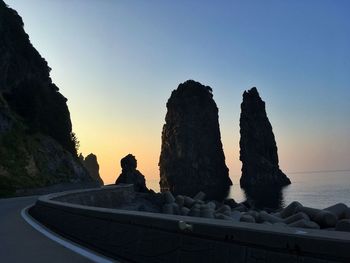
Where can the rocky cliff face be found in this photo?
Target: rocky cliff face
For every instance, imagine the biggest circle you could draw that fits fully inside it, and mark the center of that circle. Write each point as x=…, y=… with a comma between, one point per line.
x=36, y=145
x=130, y=175
x=258, y=146
x=192, y=158
x=26, y=85
x=91, y=164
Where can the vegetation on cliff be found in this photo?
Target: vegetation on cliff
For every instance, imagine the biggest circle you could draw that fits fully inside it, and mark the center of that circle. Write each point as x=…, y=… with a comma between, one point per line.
x=37, y=146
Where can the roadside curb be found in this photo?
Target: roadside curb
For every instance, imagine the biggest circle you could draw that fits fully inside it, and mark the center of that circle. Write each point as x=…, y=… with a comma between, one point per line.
x=87, y=253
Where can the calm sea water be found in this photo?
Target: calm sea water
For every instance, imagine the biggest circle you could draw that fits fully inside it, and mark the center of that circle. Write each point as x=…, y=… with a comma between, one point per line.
x=317, y=190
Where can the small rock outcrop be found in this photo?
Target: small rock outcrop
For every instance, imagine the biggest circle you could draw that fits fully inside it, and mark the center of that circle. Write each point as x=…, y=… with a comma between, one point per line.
x=258, y=146
x=192, y=158
x=130, y=175
x=91, y=164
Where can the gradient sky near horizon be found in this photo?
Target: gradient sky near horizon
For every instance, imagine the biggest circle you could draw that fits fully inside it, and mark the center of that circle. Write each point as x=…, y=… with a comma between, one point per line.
x=118, y=61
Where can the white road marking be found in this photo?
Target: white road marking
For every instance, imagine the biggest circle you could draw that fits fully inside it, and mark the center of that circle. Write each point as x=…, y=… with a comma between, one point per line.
x=62, y=241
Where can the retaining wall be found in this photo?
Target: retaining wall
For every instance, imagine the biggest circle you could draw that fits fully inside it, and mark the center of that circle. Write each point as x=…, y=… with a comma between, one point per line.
x=149, y=237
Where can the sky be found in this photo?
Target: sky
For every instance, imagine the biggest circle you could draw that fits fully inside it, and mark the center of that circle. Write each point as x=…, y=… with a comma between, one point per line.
x=118, y=61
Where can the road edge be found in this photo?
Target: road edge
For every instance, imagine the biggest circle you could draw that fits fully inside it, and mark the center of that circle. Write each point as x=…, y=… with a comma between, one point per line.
x=85, y=252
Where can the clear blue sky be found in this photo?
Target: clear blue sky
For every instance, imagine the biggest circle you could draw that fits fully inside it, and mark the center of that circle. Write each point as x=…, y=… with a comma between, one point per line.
x=118, y=61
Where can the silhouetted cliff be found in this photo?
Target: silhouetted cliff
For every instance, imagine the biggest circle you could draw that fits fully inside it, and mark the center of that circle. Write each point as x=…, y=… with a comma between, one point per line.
x=26, y=85
x=192, y=158
x=258, y=146
x=36, y=144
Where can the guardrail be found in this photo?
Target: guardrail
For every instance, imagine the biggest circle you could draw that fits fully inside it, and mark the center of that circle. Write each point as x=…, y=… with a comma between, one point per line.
x=150, y=237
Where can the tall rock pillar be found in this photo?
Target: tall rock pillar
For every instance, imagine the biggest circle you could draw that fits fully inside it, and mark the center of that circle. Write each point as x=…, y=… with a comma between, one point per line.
x=258, y=146
x=192, y=158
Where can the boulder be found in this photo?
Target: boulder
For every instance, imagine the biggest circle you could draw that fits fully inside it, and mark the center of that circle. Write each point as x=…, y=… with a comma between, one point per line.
x=188, y=201
x=195, y=210
x=236, y=216
x=180, y=200
x=343, y=225
x=241, y=208
x=322, y=217
x=207, y=211
x=168, y=197
x=290, y=209
x=296, y=217
x=338, y=209
x=264, y=216
x=224, y=209
x=346, y=214
x=254, y=214
x=212, y=205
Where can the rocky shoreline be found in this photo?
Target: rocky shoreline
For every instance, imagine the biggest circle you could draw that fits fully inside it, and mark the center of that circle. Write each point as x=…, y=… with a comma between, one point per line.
x=336, y=217
x=333, y=218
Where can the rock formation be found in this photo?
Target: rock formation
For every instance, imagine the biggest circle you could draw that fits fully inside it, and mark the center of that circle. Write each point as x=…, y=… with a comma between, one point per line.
x=258, y=146
x=335, y=217
x=192, y=158
x=130, y=175
x=36, y=143
x=91, y=164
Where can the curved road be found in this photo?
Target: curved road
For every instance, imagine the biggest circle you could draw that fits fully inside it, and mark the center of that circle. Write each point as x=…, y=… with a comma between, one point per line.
x=20, y=242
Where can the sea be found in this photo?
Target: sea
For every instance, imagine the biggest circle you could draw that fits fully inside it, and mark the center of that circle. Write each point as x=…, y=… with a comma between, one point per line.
x=318, y=189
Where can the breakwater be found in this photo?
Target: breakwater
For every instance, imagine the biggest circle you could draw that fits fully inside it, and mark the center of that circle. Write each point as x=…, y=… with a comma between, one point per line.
x=139, y=236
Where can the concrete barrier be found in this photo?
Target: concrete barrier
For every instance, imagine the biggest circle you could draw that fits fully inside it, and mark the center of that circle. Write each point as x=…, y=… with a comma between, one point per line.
x=151, y=237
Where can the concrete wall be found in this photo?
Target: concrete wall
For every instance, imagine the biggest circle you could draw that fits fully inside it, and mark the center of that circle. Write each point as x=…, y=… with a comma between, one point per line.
x=55, y=188
x=149, y=237
x=107, y=197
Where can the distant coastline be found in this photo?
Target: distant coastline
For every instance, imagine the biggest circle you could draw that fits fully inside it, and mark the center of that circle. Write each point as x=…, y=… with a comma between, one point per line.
x=319, y=171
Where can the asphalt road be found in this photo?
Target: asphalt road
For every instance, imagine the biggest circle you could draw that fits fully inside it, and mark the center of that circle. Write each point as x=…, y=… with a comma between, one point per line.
x=20, y=242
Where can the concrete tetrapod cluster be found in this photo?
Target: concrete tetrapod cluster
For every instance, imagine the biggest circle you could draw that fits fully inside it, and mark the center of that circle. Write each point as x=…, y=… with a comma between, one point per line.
x=336, y=217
